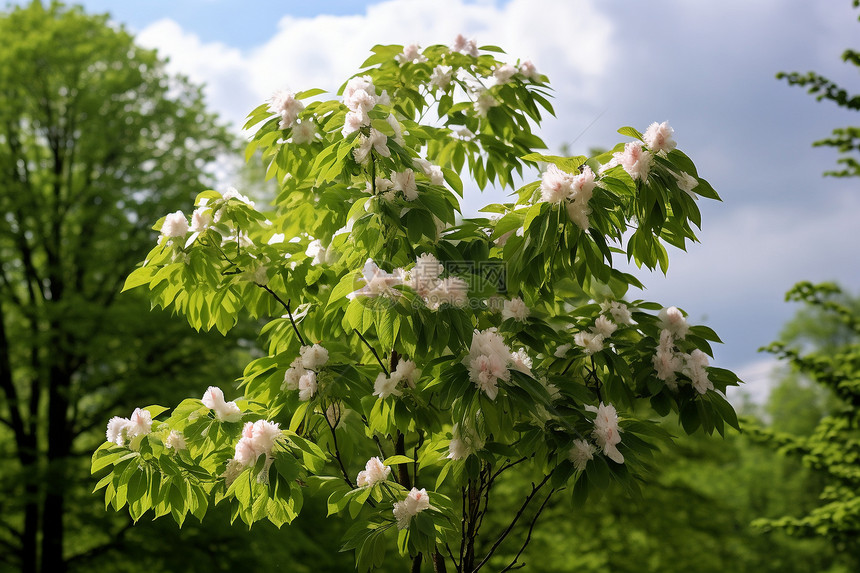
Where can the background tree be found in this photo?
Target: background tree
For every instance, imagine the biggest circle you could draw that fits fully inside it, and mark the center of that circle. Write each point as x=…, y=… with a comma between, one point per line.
x=96, y=140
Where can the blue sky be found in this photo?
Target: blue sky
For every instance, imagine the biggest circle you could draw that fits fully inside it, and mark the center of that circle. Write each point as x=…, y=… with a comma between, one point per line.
x=707, y=67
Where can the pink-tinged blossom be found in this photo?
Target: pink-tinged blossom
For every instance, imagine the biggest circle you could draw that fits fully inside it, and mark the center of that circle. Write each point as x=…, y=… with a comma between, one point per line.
x=483, y=102
x=521, y=361
x=139, y=424
x=673, y=320
x=465, y=441
x=604, y=327
x=606, y=431
x=411, y=54
x=285, y=104
x=224, y=411
x=415, y=502
x=635, y=160
x=581, y=453
x=441, y=77
x=304, y=132
x=116, y=430
x=175, y=441
x=465, y=46
x=590, y=342
x=528, y=70
x=258, y=439
x=404, y=181
x=313, y=357
x=667, y=363
x=374, y=472
x=434, y=172
x=488, y=361
x=307, y=385
x=504, y=73
x=175, y=225
x=618, y=310
x=658, y=137
x=555, y=185
x=424, y=276
x=378, y=282
x=353, y=121
x=201, y=218
x=578, y=213
x=385, y=386
x=696, y=368
x=359, y=93
x=582, y=185
x=515, y=309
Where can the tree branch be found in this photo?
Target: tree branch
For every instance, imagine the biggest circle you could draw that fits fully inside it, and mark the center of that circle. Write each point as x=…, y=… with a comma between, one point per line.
x=286, y=305
x=373, y=350
x=529, y=536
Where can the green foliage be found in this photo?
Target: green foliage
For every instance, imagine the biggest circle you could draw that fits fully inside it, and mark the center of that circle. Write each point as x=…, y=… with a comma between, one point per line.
x=453, y=349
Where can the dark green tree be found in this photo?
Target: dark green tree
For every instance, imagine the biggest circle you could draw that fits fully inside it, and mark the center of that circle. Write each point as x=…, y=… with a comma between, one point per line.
x=97, y=141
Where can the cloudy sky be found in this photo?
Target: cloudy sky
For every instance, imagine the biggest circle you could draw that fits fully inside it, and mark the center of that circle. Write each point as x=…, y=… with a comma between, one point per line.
x=707, y=67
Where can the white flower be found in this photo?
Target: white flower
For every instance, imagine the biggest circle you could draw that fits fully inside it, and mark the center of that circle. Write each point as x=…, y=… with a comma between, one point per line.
x=504, y=73
x=385, y=386
x=582, y=185
x=658, y=137
x=411, y=54
x=116, y=430
x=224, y=411
x=233, y=193
x=618, y=310
x=635, y=161
x=317, y=251
x=578, y=213
x=606, y=431
x=276, y=239
x=396, y=128
x=434, y=172
x=307, y=385
x=673, y=320
x=604, y=327
x=555, y=185
x=287, y=106
x=359, y=94
x=581, y=453
x=408, y=372
x=687, y=183
x=483, y=102
x=175, y=225
x=527, y=69
x=464, y=133
x=374, y=472
x=378, y=282
x=516, y=309
x=465, y=46
x=561, y=351
x=139, y=424
x=452, y=290
x=589, y=341
x=377, y=141
x=441, y=77
x=465, y=441
x=353, y=121
x=292, y=375
x=696, y=364
x=415, y=502
x=258, y=439
x=521, y=361
x=304, y=132
x=666, y=363
x=175, y=440
x=405, y=181
x=313, y=357
x=488, y=361
x=424, y=276
x=232, y=471
x=201, y=218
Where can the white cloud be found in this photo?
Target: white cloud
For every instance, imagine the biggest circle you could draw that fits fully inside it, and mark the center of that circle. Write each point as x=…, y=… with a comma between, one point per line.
x=568, y=40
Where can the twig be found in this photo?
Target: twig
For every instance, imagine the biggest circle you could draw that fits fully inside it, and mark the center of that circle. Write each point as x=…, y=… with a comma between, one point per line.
x=535, y=489
x=373, y=350
x=286, y=305
x=529, y=535
x=337, y=453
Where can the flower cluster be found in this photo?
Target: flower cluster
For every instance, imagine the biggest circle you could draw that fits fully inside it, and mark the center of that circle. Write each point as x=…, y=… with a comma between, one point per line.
x=618, y=310
x=302, y=373
x=592, y=340
x=411, y=54
x=406, y=372
x=121, y=429
x=174, y=225
x=285, y=104
x=488, y=361
x=658, y=137
x=224, y=411
x=581, y=452
x=359, y=96
x=575, y=191
x=669, y=361
x=465, y=45
x=378, y=282
x=415, y=502
x=374, y=472
x=425, y=279
x=606, y=431
x=258, y=439
x=515, y=309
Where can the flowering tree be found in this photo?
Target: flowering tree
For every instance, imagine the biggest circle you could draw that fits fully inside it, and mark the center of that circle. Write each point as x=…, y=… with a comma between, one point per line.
x=413, y=358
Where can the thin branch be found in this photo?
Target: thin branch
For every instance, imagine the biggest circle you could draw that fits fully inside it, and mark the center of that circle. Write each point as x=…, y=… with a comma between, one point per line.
x=529, y=535
x=535, y=489
x=337, y=453
x=286, y=305
x=373, y=350
x=503, y=468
